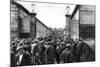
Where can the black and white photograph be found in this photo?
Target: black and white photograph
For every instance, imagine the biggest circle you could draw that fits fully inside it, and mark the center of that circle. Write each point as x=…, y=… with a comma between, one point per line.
x=45, y=33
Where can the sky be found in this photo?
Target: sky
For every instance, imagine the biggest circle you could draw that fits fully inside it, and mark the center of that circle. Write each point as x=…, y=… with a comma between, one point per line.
x=52, y=15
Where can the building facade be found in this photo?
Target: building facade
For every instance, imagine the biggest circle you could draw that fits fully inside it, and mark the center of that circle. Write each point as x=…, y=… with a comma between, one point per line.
x=87, y=22
x=81, y=24
x=25, y=24
x=42, y=30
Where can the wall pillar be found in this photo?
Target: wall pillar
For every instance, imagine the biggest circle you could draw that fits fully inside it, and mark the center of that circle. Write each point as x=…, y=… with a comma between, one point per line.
x=67, y=27
x=33, y=25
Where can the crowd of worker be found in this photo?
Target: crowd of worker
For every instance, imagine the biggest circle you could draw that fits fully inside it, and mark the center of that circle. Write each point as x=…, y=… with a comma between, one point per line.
x=49, y=50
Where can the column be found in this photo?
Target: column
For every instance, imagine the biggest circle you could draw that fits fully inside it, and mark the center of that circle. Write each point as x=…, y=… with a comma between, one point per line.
x=33, y=25
x=67, y=27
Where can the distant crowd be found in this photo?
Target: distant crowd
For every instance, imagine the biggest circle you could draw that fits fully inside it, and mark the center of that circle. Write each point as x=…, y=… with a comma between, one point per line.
x=49, y=50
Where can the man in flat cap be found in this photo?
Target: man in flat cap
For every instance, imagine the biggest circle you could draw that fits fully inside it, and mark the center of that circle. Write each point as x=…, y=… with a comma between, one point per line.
x=66, y=55
x=50, y=53
x=34, y=49
x=23, y=59
x=33, y=45
x=40, y=53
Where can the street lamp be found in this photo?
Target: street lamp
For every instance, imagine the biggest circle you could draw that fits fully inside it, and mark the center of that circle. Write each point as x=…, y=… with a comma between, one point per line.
x=33, y=8
x=68, y=10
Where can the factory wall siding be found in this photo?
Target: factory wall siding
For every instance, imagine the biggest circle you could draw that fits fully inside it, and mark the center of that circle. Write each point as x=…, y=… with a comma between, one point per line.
x=40, y=30
x=74, y=29
x=74, y=26
x=87, y=17
x=87, y=22
x=14, y=21
x=20, y=22
x=24, y=24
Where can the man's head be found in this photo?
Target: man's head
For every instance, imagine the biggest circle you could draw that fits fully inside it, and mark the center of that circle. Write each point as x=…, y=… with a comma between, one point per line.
x=40, y=42
x=48, y=43
x=36, y=41
x=63, y=43
x=21, y=50
x=68, y=46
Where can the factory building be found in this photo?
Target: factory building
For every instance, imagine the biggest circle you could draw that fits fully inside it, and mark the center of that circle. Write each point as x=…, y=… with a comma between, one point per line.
x=81, y=24
x=25, y=24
